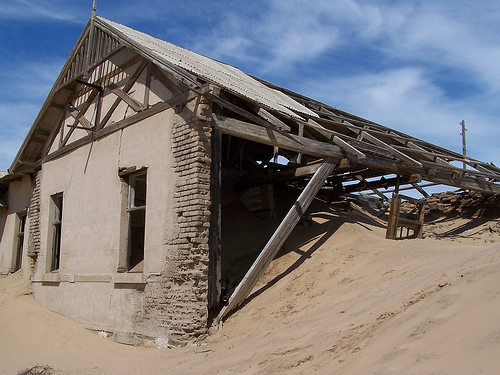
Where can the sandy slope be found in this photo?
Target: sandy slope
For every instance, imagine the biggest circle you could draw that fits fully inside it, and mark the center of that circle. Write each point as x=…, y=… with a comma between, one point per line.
x=338, y=299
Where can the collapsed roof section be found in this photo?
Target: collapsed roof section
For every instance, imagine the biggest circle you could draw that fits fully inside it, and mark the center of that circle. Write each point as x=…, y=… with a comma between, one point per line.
x=303, y=131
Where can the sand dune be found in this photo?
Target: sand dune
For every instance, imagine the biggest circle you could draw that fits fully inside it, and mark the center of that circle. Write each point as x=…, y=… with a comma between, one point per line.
x=339, y=298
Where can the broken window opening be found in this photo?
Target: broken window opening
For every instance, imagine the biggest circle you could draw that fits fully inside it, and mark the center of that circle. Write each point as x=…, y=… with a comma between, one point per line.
x=57, y=202
x=136, y=210
x=21, y=223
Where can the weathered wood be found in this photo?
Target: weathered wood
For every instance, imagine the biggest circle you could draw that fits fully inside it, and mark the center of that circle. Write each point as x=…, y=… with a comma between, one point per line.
x=245, y=113
x=389, y=148
x=396, y=221
x=165, y=81
x=268, y=116
x=430, y=171
x=134, y=104
x=420, y=190
x=78, y=118
x=347, y=147
x=157, y=108
x=214, y=268
x=278, y=238
x=147, y=88
x=271, y=137
x=128, y=86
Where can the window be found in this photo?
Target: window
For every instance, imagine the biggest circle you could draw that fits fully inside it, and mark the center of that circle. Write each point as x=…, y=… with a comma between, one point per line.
x=57, y=204
x=136, y=210
x=21, y=223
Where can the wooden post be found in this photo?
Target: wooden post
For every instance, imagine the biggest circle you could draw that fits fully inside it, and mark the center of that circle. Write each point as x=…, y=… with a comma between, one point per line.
x=214, y=266
x=278, y=238
x=464, y=148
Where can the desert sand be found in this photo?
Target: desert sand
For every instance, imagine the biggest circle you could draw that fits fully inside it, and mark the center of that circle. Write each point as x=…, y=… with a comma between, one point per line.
x=339, y=298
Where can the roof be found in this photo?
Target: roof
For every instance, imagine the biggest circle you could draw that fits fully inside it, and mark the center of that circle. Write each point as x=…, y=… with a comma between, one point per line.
x=329, y=132
x=224, y=75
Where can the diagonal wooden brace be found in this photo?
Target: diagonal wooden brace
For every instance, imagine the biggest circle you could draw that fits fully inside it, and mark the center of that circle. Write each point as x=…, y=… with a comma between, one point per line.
x=278, y=238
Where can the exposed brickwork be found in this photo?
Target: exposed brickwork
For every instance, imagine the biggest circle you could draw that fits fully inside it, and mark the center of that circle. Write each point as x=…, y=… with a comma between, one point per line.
x=178, y=304
x=34, y=222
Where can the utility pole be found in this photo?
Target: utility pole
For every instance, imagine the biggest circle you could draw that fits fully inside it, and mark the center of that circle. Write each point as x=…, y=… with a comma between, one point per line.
x=464, y=149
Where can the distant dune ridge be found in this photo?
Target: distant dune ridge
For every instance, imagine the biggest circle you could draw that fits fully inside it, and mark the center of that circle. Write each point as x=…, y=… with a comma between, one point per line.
x=339, y=298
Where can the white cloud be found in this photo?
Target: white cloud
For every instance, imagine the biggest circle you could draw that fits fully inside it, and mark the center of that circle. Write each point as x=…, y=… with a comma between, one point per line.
x=408, y=101
x=39, y=10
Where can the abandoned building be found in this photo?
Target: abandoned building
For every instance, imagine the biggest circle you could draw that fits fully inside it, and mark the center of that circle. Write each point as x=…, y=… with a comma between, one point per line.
x=116, y=205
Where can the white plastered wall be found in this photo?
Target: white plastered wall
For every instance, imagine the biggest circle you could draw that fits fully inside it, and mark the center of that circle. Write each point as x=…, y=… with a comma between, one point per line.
x=87, y=286
x=18, y=194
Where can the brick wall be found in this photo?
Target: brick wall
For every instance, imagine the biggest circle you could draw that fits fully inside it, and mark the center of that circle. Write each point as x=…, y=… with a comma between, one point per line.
x=177, y=304
x=34, y=222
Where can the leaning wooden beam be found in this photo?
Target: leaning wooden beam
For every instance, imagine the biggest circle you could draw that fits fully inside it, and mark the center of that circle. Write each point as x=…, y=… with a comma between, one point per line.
x=373, y=188
x=429, y=155
x=420, y=190
x=165, y=81
x=80, y=118
x=271, y=137
x=278, y=238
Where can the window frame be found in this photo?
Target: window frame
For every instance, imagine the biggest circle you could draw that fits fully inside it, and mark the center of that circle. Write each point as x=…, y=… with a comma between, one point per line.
x=131, y=258
x=21, y=219
x=56, y=231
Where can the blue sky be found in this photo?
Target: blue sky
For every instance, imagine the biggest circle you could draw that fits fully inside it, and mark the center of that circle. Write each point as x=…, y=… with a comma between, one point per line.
x=417, y=66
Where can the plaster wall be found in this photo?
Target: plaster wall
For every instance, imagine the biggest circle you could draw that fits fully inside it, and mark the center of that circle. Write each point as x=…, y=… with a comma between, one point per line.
x=87, y=286
x=18, y=194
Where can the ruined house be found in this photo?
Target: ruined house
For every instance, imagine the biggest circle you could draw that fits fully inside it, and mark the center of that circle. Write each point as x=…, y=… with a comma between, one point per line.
x=114, y=203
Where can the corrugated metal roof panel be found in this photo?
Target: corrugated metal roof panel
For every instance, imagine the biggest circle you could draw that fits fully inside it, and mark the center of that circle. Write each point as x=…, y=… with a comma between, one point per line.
x=223, y=75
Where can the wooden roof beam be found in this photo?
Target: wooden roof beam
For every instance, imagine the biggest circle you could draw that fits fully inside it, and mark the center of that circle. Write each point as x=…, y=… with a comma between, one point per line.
x=245, y=113
x=392, y=150
x=322, y=149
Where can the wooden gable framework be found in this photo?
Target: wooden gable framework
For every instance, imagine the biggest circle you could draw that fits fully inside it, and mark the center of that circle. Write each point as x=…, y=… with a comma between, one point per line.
x=255, y=123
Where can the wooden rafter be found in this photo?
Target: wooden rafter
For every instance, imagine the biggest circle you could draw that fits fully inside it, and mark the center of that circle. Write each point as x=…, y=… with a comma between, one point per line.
x=126, y=88
x=428, y=170
x=79, y=116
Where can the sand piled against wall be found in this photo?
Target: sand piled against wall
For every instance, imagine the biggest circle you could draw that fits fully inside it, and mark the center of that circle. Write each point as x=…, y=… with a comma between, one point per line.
x=339, y=298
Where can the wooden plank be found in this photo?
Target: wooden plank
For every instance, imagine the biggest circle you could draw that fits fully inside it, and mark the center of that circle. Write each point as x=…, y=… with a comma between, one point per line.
x=157, y=108
x=430, y=171
x=438, y=158
x=278, y=238
x=127, y=87
x=80, y=118
x=245, y=113
x=165, y=81
x=147, y=88
x=134, y=104
x=84, y=109
x=420, y=190
x=347, y=147
x=272, y=137
x=389, y=148
x=214, y=268
x=268, y=116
